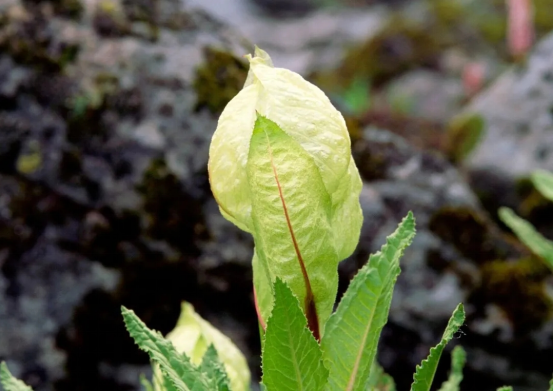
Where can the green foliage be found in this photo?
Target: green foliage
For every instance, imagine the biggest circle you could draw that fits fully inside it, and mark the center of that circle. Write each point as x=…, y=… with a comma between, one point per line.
x=379, y=380
x=9, y=382
x=352, y=333
x=463, y=135
x=291, y=358
x=456, y=376
x=199, y=340
x=525, y=232
x=357, y=97
x=212, y=367
x=505, y=388
x=176, y=368
x=543, y=181
x=425, y=373
x=146, y=383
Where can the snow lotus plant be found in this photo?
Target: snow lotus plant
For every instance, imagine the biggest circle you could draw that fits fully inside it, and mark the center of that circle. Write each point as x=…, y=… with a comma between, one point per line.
x=281, y=169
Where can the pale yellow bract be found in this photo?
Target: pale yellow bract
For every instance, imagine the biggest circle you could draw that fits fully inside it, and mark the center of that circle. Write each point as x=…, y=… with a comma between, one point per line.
x=300, y=109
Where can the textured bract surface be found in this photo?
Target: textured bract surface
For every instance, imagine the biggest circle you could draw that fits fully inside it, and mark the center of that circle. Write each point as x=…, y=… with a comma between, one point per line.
x=291, y=212
x=280, y=168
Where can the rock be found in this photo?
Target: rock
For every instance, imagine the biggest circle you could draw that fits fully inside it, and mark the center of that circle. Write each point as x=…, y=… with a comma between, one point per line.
x=104, y=146
x=452, y=259
x=426, y=94
x=311, y=41
x=517, y=109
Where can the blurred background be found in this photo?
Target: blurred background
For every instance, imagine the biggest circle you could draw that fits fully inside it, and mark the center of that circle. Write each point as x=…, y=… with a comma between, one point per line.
x=107, y=108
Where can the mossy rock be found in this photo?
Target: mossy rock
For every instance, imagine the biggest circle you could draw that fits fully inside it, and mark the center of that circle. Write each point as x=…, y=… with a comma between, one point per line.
x=518, y=288
x=173, y=215
x=472, y=234
x=462, y=136
x=399, y=46
x=25, y=34
x=219, y=79
x=110, y=20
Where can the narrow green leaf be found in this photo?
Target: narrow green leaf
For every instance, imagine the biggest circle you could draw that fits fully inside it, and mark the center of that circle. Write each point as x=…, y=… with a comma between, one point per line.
x=291, y=214
x=146, y=383
x=457, y=366
x=291, y=358
x=543, y=182
x=212, y=366
x=9, y=382
x=505, y=388
x=528, y=235
x=423, y=377
x=175, y=367
x=379, y=380
x=550, y=387
x=352, y=333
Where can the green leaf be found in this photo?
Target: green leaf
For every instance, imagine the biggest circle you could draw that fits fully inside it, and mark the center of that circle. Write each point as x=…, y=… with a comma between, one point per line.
x=543, y=182
x=9, y=382
x=291, y=358
x=505, y=388
x=146, y=383
x=550, y=385
x=352, y=333
x=175, y=367
x=527, y=234
x=212, y=366
x=357, y=97
x=292, y=214
x=423, y=378
x=379, y=380
x=456, y=375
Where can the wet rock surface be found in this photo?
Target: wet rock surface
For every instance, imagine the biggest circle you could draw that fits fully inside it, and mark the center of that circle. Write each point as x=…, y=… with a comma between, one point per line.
x=106, y=113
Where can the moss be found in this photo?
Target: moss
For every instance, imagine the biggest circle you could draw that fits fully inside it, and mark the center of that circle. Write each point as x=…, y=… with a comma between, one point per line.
x=399, y=46
x=146, y=12
x=469, y=22
x=534, y=207
x=110, y=20
x=69, y=8
x=519, y=289
x=173, y=215
x=462, y=136
x=543, y=16
x=29, y=39
x=219, y=79
x=473, y=235
x=85, y=116
x=29, y=162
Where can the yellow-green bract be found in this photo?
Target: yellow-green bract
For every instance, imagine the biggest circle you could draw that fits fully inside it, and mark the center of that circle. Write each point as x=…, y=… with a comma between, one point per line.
x=192, y=335
x=281, y=169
